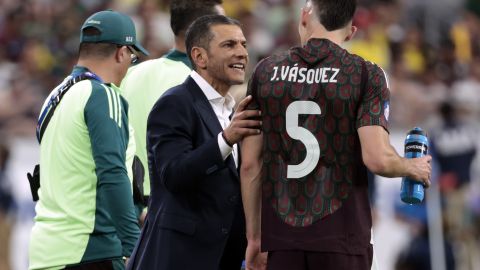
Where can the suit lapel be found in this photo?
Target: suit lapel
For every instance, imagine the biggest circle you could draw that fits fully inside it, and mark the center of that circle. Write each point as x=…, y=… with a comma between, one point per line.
x=208, y=116
x=204, y=108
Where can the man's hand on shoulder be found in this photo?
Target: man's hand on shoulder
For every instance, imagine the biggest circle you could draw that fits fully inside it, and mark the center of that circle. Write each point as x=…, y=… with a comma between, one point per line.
x=243, y=123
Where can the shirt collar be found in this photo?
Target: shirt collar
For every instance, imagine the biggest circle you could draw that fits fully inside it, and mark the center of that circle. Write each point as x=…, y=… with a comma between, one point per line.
x=229, y=101
x=207, y=89
x=212, y=94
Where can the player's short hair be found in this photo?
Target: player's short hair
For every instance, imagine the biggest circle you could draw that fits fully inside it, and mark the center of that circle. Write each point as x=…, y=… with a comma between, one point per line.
x=95, y=49
x=334, y=14
x=199, y=33
x=184, y=12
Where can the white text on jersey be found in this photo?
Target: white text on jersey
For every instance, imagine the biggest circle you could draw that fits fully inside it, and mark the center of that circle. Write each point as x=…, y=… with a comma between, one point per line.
x=302, y=75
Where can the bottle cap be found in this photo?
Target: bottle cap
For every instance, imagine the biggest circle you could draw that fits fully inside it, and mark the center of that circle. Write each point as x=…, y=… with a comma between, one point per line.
x=417, y=131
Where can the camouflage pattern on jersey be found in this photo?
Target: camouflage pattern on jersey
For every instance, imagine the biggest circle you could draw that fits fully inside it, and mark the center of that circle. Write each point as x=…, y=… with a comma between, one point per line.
x=331, y=80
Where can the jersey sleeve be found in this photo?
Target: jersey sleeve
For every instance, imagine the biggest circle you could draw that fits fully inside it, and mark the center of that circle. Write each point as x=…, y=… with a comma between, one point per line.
x=107, y=125
x=374, y=105
x=252, y=88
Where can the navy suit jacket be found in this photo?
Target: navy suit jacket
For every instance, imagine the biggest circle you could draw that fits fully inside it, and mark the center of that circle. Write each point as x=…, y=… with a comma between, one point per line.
x=195, y=203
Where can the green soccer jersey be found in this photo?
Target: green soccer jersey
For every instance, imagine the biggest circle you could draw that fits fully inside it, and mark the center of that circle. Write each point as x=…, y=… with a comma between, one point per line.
x=85, y=212
x=142, y=87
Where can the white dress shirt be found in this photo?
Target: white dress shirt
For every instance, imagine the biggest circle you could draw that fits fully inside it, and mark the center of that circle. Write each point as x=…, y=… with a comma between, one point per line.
x=223, y=108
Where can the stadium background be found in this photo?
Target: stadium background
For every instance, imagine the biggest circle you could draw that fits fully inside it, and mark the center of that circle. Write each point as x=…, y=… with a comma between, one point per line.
x=430, y=49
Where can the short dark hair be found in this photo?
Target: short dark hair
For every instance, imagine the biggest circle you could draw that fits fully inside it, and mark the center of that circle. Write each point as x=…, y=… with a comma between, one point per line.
x=184, y=12
x=199, y=33
x=97, y=49
x=334, y=14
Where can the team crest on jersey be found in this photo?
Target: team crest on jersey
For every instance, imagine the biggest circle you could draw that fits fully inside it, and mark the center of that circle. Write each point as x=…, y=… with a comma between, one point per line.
x=386, y=109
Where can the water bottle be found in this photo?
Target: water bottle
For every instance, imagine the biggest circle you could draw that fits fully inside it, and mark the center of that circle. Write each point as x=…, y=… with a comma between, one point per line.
x=416, y=145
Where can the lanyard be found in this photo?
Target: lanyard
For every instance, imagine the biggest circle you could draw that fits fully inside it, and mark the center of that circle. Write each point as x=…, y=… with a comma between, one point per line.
x=55, y=98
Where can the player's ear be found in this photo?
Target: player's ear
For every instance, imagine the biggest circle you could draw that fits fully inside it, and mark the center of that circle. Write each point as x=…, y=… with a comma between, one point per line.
x=307, y=11
x=351, y=33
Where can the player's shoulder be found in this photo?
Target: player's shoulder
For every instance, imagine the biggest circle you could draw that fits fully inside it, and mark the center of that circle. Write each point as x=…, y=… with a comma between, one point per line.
x=372, y=68
x=377, y=77
x=269, y=62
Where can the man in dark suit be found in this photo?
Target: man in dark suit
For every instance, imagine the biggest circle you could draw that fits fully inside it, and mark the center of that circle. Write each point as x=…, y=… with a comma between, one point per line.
x=195, y=217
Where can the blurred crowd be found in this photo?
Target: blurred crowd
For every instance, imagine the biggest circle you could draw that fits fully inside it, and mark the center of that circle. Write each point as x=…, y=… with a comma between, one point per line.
x=430, y=50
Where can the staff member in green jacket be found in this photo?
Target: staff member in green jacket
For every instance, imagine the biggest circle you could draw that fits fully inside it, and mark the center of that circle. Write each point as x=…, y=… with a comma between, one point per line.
x=85, y=217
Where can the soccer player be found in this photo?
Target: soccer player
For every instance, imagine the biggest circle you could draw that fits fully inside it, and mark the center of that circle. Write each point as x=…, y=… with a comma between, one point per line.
x=85, y=217
x=325, y=121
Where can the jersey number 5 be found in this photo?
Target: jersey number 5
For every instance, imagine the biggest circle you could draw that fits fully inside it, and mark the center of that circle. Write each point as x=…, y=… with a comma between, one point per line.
x=304, y=135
